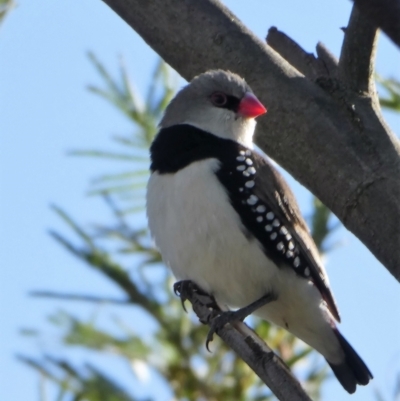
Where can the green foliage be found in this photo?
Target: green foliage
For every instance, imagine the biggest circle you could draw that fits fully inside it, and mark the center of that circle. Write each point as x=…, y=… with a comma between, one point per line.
x=5, y=7
x=176, y=349
x=392, y=89
x=85, y=384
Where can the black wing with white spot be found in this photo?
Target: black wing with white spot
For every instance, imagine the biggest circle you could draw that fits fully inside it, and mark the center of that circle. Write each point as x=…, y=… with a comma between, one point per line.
x=265, y=204
x=269, y=212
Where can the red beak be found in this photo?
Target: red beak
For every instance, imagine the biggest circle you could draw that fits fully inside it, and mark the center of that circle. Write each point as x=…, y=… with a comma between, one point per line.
x=250, y=106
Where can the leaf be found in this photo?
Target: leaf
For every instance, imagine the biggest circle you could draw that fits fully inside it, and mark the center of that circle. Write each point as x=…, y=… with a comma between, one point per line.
x=392, y=87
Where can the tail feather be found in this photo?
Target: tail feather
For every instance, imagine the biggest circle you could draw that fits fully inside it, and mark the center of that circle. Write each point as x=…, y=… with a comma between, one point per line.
x=352, y=370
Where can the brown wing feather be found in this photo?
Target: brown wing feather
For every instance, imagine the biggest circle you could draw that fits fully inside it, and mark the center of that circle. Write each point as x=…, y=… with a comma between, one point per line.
x=284, y=205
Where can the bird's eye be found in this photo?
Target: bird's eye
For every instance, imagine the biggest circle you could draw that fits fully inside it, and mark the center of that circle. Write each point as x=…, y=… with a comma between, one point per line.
x=219, y=99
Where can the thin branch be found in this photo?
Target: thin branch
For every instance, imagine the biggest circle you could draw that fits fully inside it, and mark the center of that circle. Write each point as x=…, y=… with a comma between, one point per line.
x=80, y=297
x=383, y=13
x=312, y=67
x=253, y=350
x=328, y=59
x=292, y=52
x=356, y=65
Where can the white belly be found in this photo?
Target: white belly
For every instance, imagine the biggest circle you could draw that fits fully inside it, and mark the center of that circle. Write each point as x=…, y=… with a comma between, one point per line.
x=198, y=234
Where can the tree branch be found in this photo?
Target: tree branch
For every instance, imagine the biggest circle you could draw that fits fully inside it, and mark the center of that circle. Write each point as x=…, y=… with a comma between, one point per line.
x=336, y=145
x=329, y=60
x=356, y=65
x=81, y=297
x=383, y=13
x=326, y=65
x=253, y=350
x=304, y=62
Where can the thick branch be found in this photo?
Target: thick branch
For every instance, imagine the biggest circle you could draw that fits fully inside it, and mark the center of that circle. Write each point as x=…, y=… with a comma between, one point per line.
x=253, y=350
x=356, y=65
x=337, y=147
x=383, y=13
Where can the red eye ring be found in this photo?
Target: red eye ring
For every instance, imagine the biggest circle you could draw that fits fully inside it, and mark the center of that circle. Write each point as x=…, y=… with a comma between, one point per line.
x=219, y=99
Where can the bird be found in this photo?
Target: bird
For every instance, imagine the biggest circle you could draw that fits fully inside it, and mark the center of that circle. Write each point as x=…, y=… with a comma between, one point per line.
x=224, y=218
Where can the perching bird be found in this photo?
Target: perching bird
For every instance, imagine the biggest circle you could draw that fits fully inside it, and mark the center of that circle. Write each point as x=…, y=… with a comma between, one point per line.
x=225, y=219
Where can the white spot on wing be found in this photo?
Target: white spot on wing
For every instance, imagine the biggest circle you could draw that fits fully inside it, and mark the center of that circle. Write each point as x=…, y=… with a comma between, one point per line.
x=283, y=230
x=240, y=158
x=276, y=223
x=261, y=209
x=289, y=254
x=270, y=216
x=252, y=200
x=241, y=167
x=249, y=184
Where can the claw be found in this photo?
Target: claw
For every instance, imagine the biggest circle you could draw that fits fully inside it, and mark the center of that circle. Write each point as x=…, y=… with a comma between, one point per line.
x=181, y=288
x=218, y=321
x=183, y=304
x=177, y=288
x=210, y=337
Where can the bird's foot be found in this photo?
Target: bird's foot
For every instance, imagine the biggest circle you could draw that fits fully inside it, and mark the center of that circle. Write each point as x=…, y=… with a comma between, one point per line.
x=187, y=289
x=217, y=319
x=220, y=319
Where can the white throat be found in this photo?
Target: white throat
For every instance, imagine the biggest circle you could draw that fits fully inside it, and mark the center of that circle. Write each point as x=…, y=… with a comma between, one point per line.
x=240, y=129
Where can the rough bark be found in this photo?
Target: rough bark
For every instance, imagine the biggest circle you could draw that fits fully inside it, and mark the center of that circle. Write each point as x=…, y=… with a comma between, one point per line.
x=330, y=137
x=356, y=66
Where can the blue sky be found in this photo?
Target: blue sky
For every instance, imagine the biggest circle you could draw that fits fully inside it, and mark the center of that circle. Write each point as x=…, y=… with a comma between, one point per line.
x=47, y=111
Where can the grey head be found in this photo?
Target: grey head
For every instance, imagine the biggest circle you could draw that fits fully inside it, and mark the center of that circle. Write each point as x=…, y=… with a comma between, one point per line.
x=217, y=102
